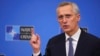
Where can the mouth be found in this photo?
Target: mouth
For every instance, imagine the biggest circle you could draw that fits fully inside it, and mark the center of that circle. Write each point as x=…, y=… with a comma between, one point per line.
x=65, y=26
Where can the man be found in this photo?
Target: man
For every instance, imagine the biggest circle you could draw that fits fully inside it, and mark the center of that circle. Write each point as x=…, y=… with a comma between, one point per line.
x=74, y=41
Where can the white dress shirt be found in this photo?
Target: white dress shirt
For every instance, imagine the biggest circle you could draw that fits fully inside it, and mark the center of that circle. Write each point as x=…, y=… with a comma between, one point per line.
x=36, y=54
x=75, y=38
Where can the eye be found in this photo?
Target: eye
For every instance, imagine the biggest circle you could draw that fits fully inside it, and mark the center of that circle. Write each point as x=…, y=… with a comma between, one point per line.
x=60, y=17
x=68, y=15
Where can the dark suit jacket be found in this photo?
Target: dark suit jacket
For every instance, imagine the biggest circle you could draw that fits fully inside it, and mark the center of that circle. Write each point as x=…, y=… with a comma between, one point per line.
x=88, y=45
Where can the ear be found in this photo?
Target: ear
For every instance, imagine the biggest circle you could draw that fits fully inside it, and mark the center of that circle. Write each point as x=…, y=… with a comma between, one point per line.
x=78, y=17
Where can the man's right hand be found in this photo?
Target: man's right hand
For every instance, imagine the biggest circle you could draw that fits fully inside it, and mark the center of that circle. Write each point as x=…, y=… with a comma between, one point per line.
x=35, y=41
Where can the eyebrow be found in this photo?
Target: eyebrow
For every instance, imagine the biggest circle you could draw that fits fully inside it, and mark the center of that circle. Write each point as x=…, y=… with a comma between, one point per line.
x=60, y=16
x=67, y=14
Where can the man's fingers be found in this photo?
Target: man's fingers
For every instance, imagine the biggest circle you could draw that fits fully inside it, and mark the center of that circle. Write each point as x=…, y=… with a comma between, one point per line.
x=34, y=38
x=38, y=37
x=32, y=31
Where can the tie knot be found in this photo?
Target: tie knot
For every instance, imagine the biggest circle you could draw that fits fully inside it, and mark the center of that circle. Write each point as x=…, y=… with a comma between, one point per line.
x=70, y=39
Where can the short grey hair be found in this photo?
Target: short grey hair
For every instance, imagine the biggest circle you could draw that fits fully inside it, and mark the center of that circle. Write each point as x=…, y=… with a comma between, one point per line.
x=74, y=6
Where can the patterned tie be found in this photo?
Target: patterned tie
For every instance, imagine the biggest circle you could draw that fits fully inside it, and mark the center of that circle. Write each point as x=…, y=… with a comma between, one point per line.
x=70, y=53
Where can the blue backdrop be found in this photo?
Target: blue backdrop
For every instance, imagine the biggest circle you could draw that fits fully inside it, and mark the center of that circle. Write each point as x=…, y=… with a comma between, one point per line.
x=42, y=15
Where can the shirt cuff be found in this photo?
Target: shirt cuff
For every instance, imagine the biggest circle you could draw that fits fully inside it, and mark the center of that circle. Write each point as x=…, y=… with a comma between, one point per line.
x=36, y=54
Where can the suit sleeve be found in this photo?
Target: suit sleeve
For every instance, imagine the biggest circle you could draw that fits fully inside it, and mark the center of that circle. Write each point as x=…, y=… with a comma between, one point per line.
x=47, y=50
x=98, y=49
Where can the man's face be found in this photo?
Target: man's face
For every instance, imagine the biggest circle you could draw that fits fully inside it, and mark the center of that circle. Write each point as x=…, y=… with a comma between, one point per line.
x=67, y=18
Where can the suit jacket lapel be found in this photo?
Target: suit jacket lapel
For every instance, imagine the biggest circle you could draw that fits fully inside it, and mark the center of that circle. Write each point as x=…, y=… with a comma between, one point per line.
x=61, y=46
x=81, y=44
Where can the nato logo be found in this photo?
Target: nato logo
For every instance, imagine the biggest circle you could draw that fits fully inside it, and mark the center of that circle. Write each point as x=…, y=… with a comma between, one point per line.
x=2, y=55
x=14, y=32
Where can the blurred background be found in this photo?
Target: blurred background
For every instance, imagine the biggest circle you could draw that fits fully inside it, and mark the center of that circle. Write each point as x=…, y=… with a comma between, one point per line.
x=42, y=15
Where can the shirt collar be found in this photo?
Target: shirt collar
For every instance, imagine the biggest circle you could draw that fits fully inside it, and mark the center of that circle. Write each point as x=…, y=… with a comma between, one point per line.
x=75, y=36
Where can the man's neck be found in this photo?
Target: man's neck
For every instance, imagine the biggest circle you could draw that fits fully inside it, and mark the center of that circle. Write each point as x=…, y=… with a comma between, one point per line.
x=73, y=31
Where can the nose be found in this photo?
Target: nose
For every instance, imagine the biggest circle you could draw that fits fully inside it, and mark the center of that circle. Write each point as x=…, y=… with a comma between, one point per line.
x=64, y=20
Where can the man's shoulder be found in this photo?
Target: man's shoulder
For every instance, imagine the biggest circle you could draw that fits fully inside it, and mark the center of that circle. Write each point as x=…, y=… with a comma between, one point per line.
x=57, y=38
x=90, y=36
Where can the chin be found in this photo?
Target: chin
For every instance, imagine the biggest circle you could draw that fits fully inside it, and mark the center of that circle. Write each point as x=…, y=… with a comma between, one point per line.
x=66, y=30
